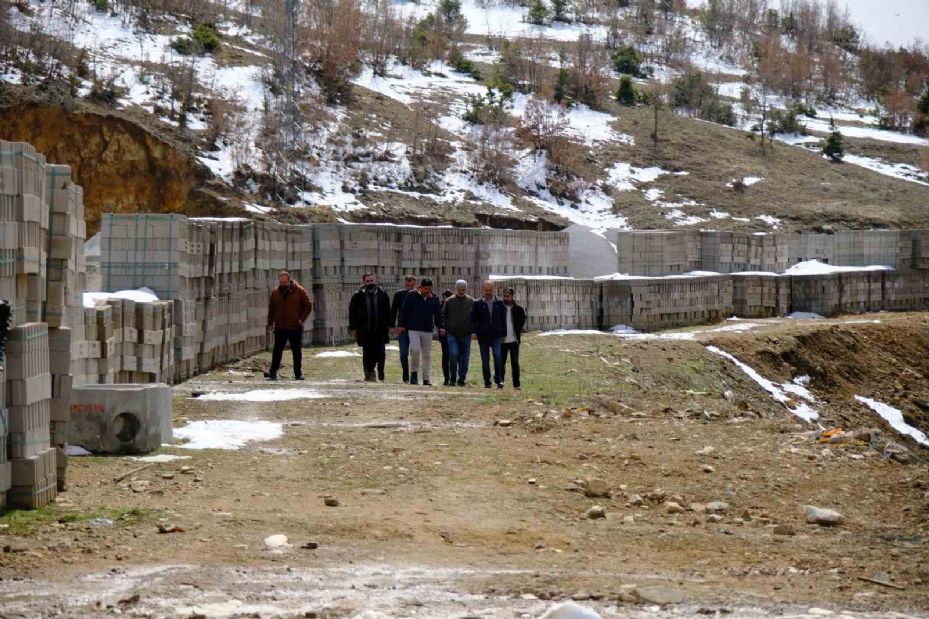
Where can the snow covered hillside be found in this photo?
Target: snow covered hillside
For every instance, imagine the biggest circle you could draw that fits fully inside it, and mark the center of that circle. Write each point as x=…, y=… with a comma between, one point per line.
x=470, y=112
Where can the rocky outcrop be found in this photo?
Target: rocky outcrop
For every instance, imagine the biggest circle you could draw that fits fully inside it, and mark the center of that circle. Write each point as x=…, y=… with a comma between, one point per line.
x=122, y=165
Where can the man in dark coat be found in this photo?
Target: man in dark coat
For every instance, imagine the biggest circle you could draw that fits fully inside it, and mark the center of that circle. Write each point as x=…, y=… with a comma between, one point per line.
x=369, y=322
x=288, y=308
x=515, y=321
x=488, y=322
x=443, y=342
x=403, y=338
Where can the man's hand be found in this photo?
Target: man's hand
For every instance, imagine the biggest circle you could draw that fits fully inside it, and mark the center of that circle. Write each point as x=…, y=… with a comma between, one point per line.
x=474, y=336
x=401, y=330
x=300, y=322
x=441, y=331
x=271, y=326
x=354, y=333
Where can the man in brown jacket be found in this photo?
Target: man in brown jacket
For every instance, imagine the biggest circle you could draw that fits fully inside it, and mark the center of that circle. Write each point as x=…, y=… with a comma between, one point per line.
x=288, y=308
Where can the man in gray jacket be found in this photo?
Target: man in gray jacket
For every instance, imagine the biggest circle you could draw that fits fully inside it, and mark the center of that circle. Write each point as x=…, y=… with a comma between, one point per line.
x=457, y=318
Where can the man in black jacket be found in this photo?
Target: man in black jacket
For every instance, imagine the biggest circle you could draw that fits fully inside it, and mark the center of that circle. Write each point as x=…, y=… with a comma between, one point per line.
x=420, y=313
x=488, y=324
x=369, y=322
x=515, y=321
x=403, y=338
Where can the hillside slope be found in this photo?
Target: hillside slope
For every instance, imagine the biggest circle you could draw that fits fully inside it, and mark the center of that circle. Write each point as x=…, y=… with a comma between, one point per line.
x=397, y=149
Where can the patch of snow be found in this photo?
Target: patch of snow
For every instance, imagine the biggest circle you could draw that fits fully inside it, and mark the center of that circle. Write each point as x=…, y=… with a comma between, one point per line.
x=227, y=433
x=795, y=139
x=159, y=458
x=903, y=171
x=748, y=181
x=771, y=220
x=76, y=450
x=262, y=395
x=573, y=332
x=140, y=295
x=801, y=409
x=257, y=208
x=584, y=124
x=497, y=277
x=621, y=175
x=805, y=316
x=871, y=133
x=894, y=417
x=733, y=90
x=815, y=267
x=503, y=20
x=719, y=214
x=335, y=354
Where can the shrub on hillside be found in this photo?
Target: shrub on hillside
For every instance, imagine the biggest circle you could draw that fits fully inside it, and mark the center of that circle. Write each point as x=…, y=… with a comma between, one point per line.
x=627, y=59
x=207, y=36
x=626, y=94
x=463, y=65
x=833, y=146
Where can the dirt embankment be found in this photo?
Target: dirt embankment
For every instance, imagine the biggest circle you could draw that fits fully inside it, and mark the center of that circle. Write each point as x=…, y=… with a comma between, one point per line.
x=884, y=358
x=123, y=166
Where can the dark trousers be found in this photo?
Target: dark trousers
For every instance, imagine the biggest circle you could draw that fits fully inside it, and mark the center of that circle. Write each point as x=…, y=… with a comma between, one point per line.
x=443, y=342
x=488, y=347
x=403, y=341
x=281, y=338
x=511, y=350
x=373, y=352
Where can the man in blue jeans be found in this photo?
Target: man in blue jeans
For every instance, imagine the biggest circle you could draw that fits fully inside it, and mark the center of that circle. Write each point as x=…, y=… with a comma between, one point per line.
x=403, y=337
x=488, y=321
x=456, y=313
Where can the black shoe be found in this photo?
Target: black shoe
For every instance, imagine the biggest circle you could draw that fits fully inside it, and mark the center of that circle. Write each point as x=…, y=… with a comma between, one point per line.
x=486, y=385
x=370, y=377
x=270, y=376
x=406, y=378
x=499, y=385
x=380, y=375
x=446, y=383
x=299, y=377
x=461, y=383
x=517, y=388
x=414, y=379
x=426, y=383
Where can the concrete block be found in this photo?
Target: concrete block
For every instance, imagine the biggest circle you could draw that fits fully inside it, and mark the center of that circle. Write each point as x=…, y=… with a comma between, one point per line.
x=120, y=418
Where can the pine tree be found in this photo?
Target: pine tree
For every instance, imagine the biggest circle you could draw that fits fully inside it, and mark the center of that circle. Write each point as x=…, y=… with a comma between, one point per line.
x=538, y=13
x=832, y=145
x=560, y=9
x=923, y=104
x=560, y=94
x=625, y=94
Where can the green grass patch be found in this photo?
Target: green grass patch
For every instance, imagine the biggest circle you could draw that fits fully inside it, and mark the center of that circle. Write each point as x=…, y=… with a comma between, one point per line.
x=27, y=522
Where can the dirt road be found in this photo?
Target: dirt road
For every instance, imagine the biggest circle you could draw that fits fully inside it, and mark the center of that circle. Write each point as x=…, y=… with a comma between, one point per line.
x=401, y=501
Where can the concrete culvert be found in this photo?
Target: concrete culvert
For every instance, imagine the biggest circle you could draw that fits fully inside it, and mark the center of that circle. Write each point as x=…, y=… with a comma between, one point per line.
x=126, y=427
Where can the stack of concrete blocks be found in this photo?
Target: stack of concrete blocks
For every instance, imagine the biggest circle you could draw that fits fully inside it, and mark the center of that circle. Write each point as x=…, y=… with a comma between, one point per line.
x=732, y=252
x=42, y=277
x=760, y=295
x=905, y=290
x=666, y=303
x=657, y=253
x=32, y=455
x=920, y=244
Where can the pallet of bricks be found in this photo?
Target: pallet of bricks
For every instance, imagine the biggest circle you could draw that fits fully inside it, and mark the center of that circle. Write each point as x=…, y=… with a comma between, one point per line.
x=42, y=277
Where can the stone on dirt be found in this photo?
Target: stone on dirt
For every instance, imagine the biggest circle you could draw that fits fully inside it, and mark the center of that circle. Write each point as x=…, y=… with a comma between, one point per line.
x=595, y=512
x=595, y=488
x=716, y=507
x=278, y=540
x=784, y=529
x=570, y=610
x=822, y=516
x=674, y=508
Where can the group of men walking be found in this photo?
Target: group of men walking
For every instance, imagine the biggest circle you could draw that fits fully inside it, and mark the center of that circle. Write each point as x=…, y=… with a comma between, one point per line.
x=414, y=314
